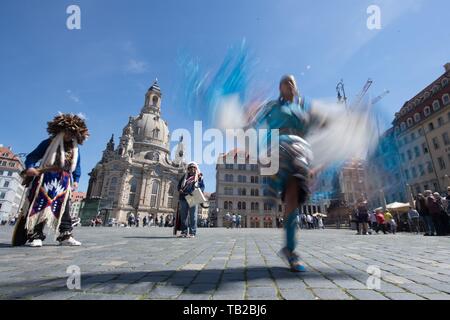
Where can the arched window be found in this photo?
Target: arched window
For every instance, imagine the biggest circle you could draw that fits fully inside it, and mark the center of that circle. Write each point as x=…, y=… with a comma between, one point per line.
x=112, y=187
x=403, y=126
x=427, y=111
x=444, y=82
x=409, y=122
x=154, y=193
x=133, y=189
x=228, y=205
x=446, y=99
x=436, y=105
x=417, y=117
x=170, y=196
x=156, y=133
x=155, y=101
x=149, y=156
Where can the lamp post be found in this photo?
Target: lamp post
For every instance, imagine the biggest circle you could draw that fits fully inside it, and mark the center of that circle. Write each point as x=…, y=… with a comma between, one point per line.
x=410, y=195
x=383, y=199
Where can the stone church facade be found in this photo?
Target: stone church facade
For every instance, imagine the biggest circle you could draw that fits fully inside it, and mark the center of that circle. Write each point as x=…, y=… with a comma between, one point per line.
x=138, y=176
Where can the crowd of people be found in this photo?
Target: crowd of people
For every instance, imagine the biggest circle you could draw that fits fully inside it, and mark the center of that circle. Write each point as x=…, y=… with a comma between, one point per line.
x=434, y=211
x=232, y=220
x=431, y=215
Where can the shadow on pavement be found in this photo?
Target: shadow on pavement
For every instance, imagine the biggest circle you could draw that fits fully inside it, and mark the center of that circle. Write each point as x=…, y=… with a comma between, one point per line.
x=195, y=282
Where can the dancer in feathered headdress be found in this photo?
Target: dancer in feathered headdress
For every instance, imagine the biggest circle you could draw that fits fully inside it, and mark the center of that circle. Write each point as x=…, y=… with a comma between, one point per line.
x=53, y=180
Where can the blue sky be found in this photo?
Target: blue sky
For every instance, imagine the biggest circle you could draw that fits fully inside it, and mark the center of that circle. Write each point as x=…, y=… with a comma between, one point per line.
x=104, y=69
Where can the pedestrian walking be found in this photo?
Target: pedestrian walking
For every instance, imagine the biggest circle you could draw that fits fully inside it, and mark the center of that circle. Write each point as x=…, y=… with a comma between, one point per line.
x=414, y=220
x=380, y=221
x=192, y=179
x=424, y=212
x=363, y=216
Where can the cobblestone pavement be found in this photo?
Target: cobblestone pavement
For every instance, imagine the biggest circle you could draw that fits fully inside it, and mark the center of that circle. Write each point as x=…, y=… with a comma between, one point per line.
x=148, y=263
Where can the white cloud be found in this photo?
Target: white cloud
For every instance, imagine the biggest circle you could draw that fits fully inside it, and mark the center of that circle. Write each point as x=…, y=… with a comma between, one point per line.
x=136, y=66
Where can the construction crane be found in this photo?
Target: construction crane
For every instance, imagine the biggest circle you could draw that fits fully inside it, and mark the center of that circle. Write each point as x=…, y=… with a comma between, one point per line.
x=363, y=92
x=381, y=96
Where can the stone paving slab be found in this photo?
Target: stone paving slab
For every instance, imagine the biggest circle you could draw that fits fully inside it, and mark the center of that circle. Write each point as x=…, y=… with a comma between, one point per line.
x=222, y=264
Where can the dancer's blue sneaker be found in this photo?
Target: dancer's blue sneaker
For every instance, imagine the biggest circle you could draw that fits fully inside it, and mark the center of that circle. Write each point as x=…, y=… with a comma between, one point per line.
x=293, y=259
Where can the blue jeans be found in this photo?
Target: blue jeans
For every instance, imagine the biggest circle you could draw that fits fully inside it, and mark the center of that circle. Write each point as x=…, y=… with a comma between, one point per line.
x=188, y=218
x=429, y=224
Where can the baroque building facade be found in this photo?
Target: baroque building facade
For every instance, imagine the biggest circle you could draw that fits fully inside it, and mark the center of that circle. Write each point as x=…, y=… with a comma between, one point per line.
x=422, y=131
x=138, y=175
x=240, y=190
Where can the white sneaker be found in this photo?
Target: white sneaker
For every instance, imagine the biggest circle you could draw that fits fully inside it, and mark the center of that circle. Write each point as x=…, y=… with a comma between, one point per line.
x=70, y=242
x=36, y=243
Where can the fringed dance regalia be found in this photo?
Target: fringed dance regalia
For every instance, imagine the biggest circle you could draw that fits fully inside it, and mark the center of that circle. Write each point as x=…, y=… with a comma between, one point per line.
x=294, y=120
x=50, y=191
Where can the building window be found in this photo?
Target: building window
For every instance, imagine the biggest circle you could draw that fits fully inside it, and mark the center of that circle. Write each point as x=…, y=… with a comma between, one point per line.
x=242, y=179
x=414, y=172
x=436, y=143
x=228, y=205
x=229, y=166
x=112, y=188
x=254, y=206
x=403, y=126
x=242, y=191
x=155, y=133
x=431, y=126
x=241, y=167
x=228, y=191
x=427, y=111
x=254, y=179
x=441, y=162
x=413, y=136
x=154, y=193
x=446, y=138
x=409, y=122
x=170, y=197
x=417, y=117
x=421, y=132
x=424, y=148
x=440, y=121
x=429, y=168
x=229, y=178
x=242, y=205
x=421, y=170
x=409, y=154
x=133, y=189
x=444, y=82
x=436, y=105
x=446, y=99
x=417, y=151
x=6, y=184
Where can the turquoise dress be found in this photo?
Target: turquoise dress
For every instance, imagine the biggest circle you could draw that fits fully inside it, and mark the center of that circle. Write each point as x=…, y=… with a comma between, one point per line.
x=294, y=120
